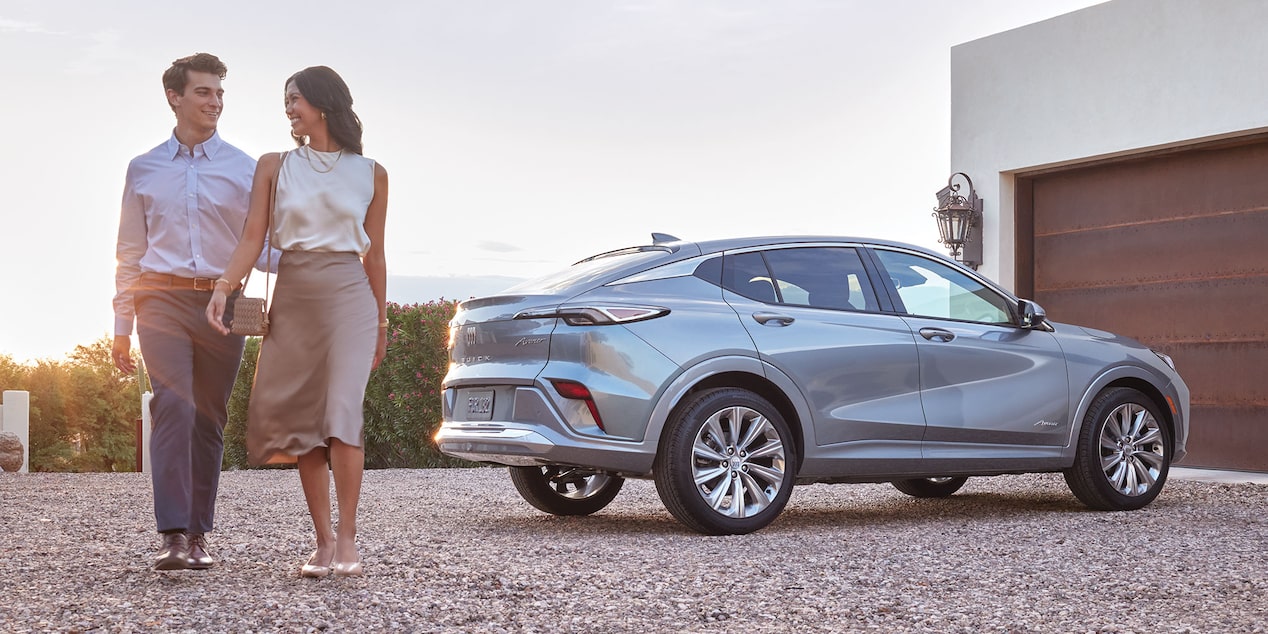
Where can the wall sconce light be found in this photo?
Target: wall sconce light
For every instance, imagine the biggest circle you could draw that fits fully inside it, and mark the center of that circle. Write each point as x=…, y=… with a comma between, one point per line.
x=960, y=221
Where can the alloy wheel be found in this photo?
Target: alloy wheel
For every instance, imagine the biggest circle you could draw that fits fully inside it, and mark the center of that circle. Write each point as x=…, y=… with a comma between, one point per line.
x=1132, y=450
x=738, y=462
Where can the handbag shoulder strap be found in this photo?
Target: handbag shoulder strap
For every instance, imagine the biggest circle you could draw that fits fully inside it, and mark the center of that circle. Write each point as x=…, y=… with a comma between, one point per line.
x=269, y=228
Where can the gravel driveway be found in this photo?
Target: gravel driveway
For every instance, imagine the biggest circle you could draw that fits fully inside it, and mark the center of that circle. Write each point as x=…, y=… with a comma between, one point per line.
x=458, y=551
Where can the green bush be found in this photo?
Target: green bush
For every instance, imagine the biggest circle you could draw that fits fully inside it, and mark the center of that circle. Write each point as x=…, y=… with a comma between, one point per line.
x=236, y=428
x=402, y=401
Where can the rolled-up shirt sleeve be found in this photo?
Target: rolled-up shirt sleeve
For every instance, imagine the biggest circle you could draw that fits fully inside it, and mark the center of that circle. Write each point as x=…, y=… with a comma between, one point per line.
x=131, y=247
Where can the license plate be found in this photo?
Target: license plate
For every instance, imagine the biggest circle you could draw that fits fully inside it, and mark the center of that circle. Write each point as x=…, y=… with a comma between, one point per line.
x=480, y=405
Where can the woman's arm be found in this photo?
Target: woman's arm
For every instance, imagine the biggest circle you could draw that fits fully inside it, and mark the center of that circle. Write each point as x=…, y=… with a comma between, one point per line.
x=374, y=261
x=251, y=242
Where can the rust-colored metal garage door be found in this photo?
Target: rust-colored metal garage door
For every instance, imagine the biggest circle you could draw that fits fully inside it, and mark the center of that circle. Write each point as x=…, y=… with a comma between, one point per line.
x=1170, y=249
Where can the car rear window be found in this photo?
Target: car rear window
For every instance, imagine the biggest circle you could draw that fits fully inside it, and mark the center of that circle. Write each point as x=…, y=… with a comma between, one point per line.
x=588, y=271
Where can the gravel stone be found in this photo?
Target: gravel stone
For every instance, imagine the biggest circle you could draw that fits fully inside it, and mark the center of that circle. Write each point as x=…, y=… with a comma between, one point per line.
x=457, y=550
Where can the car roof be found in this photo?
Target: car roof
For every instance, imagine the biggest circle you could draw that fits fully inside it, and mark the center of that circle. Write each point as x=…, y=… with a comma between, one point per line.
x=725, y=244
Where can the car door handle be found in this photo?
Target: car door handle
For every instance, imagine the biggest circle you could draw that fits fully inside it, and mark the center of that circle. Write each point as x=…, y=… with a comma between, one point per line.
x=766, y=318
x=937, y=334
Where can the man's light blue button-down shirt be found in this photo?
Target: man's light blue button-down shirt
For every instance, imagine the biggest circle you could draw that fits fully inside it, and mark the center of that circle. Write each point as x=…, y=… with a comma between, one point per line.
x=182, y=215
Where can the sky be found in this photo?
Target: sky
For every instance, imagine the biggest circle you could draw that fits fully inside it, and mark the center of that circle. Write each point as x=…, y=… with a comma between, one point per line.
x=519, y=135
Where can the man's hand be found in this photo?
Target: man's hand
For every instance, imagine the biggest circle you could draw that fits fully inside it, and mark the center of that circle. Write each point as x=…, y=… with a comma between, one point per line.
x=216, y=311
x=121, y=352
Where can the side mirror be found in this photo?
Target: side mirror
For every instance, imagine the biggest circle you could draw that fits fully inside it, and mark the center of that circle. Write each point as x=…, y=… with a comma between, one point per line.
x=1032, y=314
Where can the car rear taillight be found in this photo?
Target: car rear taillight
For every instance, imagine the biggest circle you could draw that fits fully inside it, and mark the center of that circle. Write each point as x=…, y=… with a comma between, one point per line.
x=578, y=392
x=595, y=315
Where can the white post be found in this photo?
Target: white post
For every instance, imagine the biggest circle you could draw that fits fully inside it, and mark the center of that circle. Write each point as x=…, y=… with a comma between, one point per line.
x=16, y=419
x=147, y=423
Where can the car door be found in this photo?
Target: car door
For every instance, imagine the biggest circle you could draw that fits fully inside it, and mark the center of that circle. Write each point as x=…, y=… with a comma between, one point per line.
x=812, y=313
x=990, y=388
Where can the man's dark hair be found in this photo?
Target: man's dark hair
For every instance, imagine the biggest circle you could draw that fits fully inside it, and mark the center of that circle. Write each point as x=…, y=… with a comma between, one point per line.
x=177, y=75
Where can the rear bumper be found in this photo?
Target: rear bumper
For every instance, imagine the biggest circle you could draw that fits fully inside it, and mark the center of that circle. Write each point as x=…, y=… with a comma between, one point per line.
x=536, y=434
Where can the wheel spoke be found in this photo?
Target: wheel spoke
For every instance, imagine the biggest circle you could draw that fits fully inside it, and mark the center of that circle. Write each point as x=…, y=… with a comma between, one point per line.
x=1131, y=481
x=1138, y=420
x=1142, y=474
x=1108, y=443
x=767, y=474
x=1114, y=426
x=715, y=497
x=1119, y=475
x=704, y=476
x=734, y=418
x=756, y=429
x=702, y=450
x=1154, y=460
x=757, y=491
x=1152, y=436
x=1110, y=461
x=772, y=448
x=737, y=497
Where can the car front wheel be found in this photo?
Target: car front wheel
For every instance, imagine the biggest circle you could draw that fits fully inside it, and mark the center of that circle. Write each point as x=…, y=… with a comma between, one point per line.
x=566, y=490
x=726, y=463
x=1124, y=452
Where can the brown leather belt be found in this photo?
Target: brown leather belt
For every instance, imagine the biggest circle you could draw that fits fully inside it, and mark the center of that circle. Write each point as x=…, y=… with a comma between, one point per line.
x=164, y=281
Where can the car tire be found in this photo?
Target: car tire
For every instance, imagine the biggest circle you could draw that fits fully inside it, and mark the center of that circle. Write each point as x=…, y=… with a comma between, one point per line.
x=727, y=462
x=566, y=490
x=930, y=487
x=1123, y=454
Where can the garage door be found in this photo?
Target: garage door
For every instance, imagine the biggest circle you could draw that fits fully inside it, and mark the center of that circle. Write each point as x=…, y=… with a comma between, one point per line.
x=1172, y=250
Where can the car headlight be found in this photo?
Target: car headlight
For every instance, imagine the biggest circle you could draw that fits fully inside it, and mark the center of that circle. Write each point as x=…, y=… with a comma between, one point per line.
x=1166, y=359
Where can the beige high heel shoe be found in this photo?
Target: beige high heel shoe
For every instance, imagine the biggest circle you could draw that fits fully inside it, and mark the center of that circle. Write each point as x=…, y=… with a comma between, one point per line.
x=348, y=569
x=312, y=570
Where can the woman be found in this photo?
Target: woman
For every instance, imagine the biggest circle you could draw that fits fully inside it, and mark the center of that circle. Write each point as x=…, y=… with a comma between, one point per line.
x=328, y=315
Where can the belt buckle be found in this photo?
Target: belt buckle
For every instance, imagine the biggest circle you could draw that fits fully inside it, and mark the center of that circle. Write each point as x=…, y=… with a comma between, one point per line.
x=204, y=284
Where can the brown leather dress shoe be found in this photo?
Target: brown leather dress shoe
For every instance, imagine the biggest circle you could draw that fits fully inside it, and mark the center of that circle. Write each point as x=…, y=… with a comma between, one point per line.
x=175, y=553
x=199, y=559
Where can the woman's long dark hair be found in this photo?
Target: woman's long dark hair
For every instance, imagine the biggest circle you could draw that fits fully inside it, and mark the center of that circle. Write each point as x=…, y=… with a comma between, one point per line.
x=326, y=90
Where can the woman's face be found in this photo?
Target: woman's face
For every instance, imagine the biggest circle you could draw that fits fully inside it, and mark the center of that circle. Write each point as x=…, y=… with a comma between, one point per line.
x=305, y=117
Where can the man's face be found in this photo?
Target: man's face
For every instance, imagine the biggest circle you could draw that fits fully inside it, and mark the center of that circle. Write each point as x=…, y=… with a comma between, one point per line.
x=202, y=102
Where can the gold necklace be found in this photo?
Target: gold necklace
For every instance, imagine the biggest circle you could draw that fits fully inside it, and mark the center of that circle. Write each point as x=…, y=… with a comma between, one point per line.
x=309, y=156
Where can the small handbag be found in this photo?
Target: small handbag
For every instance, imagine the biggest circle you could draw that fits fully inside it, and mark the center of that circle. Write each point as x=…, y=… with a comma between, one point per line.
x=251, y=314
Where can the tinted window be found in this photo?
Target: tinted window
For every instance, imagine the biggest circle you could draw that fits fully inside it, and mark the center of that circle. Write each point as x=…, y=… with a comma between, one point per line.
x=746, y=274
x=931, y=289
x=821, y=277
x=587, y=271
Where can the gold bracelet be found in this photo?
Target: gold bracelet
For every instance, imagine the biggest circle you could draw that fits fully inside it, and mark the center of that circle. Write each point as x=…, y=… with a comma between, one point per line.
x=227, y=283
x=383, y=324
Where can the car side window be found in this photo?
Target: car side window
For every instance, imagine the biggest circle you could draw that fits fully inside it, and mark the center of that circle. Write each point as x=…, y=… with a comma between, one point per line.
x=822, y=277
x=746, y=274
x=929, y=288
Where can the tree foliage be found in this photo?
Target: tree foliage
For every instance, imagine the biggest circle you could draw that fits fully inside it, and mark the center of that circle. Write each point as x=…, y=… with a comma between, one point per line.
x=83, y=412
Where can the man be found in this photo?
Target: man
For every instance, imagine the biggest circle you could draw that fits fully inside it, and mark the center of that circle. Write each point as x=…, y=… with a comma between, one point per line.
x=184, y=206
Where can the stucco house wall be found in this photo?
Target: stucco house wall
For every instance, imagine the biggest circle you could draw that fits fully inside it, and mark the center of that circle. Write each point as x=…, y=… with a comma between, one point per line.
x=1115, y=79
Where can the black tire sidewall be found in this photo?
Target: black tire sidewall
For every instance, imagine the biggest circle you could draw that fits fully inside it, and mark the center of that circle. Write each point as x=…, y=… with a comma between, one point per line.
x=1087, y=479
x=675, y=481
x=533, y=485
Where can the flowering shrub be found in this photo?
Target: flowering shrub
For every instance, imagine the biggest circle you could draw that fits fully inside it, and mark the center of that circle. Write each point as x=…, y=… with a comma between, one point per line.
x=402, y=401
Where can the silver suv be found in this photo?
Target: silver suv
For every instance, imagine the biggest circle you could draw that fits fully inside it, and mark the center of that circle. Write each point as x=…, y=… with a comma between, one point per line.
x=730, y=370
